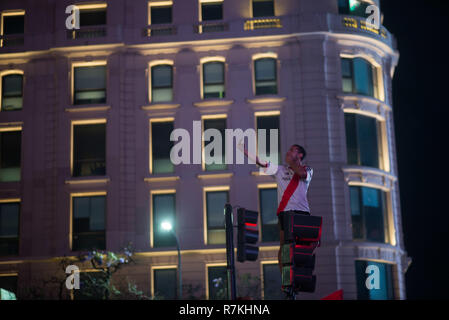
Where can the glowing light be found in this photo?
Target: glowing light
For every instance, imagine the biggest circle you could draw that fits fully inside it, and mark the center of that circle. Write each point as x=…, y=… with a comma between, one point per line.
x=354, y=4
x=166, y=226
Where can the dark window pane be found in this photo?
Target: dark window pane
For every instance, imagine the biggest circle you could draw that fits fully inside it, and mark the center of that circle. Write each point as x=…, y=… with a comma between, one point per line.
x=9, y=228
x=164, y=209
x=367, y=139
x=211, y=11
x=89, y=223
x=217, y=280
x=13, y=24
x=351, y=139
x=161, y=15
x=368, y=212
x=90, y=85
x=10, y=155
x=343, y=6
x=92, y=286
x=89, y=150
x=12, y=92
x=385, y=291
x=265, y=76
x=213, y=75
x=363, y=77
x=220, y=125
x=9, y=283
x=347, y=76
x=165, y=284
x=161, y=147
x=268, y=207
x=161, y=83
x=263, y=8
x=92, y=17
x=215, y=202
x=272, y=282
x=269, y=123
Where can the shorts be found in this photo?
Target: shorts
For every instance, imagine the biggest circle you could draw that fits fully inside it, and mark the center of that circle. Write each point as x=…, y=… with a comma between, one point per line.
x=281, y=217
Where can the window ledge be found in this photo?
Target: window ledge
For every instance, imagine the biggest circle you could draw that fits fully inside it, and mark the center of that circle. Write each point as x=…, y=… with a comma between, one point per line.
x=161, y=106
x=88, y=180
x=364, y=105
x=161, y=178
x=266, y=99
x=213, y=103
x=215, y=175
x=84, y=108
x=369, y=177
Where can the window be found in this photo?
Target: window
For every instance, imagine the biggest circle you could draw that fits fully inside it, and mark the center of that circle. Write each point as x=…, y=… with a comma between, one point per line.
x=161, y=147
x=9, y=228
x=211, y=10
x=89, y=84
x=165, y=283
x=268, y=204
x=212, y=146
x=385, y=282
x=89, y=223
x=265, y=76
x=263, y=8
x=272, y=282
x=9, y=283
x=369, y=214
x=217, y=283
x=92, y=286
x=269, y=122
x=353, y=7
x=13, y=28
x=213, y=80
x=161, y=83
x=215, y=202
x=363, y=141
x=359, y=77
x=10, y=155
x=164, y=209
x=160, y=14
x=89, y=150
x=95, y=16
x=12, y=92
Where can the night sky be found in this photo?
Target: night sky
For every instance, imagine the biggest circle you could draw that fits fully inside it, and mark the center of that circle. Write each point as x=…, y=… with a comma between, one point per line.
x=420, y=88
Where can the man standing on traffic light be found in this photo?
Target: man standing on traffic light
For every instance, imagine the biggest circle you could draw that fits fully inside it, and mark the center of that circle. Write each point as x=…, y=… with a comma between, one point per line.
x=292, y=184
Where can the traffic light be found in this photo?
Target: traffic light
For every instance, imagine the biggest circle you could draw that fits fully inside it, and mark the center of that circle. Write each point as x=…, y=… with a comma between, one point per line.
x=247, y=235
x=302, y=234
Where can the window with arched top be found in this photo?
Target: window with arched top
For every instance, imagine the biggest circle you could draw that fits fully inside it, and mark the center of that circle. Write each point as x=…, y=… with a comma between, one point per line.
x=12, y=92
x=265, y=76
x=213, y=80
x=162, y=83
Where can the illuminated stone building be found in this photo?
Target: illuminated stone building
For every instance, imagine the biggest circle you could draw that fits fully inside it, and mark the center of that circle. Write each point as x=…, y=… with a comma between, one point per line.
x=86, y=115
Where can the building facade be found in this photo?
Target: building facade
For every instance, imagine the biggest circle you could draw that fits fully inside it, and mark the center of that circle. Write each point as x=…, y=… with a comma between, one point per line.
x=85, y=122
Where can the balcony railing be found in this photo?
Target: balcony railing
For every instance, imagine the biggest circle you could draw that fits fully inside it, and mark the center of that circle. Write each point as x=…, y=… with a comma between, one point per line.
x=159, y=30
x=87, y=33
x=12, y=40
x=206, y=27
x=266, y=23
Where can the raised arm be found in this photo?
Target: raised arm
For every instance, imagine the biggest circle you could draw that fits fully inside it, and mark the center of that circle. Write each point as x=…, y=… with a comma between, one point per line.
x=249, y=155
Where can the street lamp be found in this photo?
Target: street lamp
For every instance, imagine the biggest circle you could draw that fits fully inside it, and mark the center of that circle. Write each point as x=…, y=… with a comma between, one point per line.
x=167, y=226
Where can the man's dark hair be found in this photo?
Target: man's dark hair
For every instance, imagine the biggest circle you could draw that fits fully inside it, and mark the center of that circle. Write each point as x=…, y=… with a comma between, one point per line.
x=301, y=150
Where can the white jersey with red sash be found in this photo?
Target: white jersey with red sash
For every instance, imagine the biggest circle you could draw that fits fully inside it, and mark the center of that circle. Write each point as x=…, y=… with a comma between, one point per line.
x=292, y=191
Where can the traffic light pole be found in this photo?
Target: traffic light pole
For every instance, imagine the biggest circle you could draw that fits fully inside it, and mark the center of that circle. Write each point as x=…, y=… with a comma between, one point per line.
x=230, y=268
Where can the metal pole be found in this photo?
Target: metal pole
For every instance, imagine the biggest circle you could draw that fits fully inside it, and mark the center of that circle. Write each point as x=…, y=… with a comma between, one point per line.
x=179, y=267
x=230, y=268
